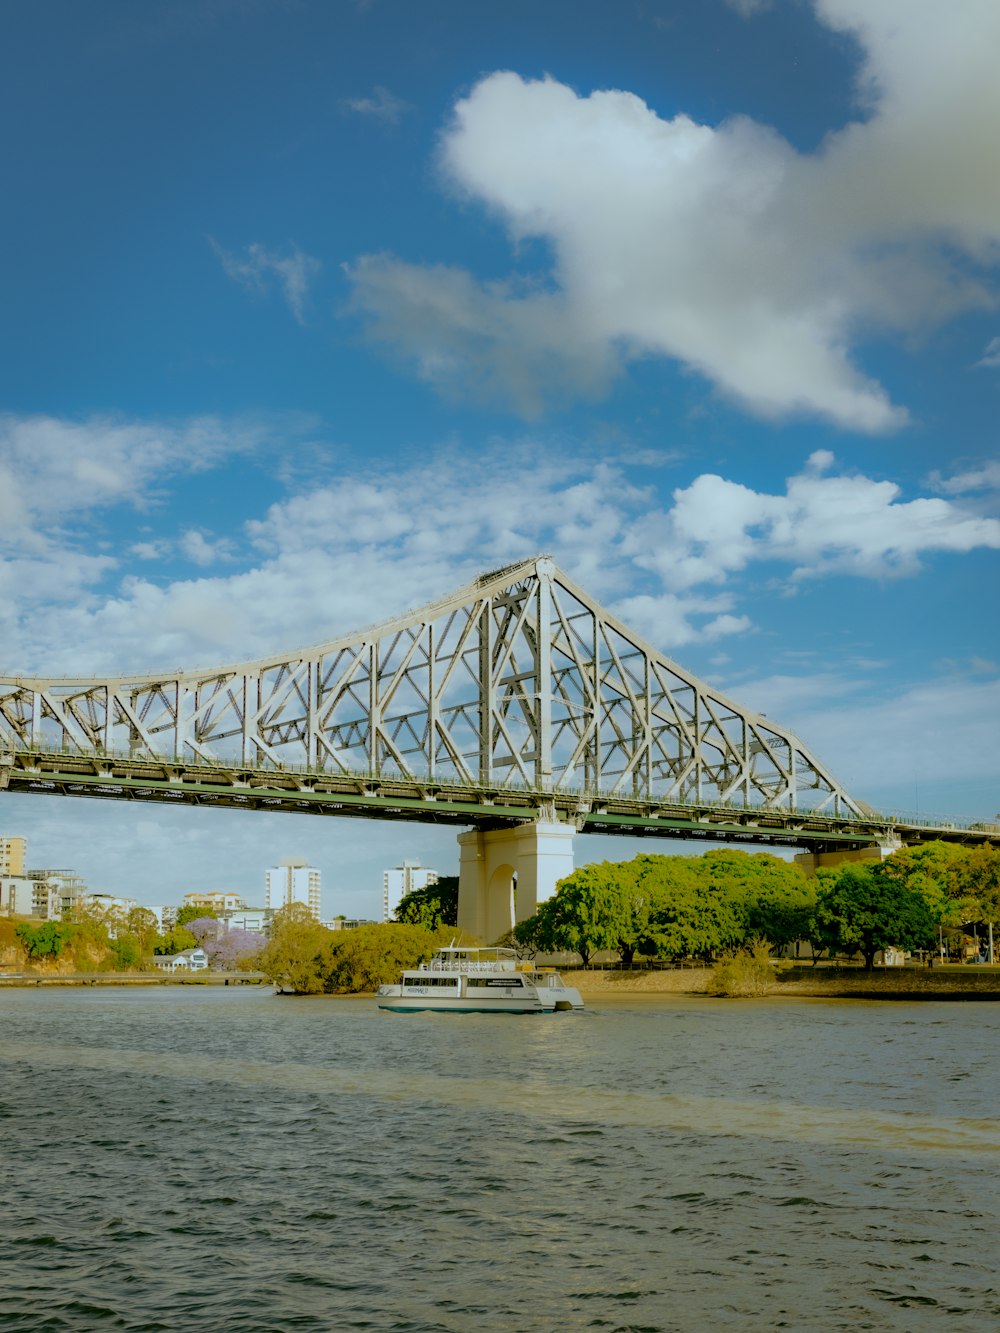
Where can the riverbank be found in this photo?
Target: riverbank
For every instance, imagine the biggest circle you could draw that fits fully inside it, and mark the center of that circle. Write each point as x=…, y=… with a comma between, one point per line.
x=14, y=979
x=832, y=983
x=840, y=983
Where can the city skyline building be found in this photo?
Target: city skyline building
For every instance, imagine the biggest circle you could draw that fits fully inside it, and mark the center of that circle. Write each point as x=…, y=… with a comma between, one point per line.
x=12, y=856
x=401, y=880
x=292, y=881
x=216, y=900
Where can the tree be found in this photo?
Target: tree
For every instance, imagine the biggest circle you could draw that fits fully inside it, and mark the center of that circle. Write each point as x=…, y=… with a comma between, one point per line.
x=584, y=915
x=430, y=907
x=982, y=884
x=142, y=923
x=774, y=897
x=46, y=940
x=125, y=952
x=291, y=957
x=206, y=930
x=192, y=912
x=939, y=871
x=690, y=915
x=177, y=940
x=866, y=909
x=363, y=959
x=236, y=949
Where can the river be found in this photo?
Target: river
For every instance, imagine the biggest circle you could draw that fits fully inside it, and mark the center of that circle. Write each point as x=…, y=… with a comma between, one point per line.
x=179, y=1158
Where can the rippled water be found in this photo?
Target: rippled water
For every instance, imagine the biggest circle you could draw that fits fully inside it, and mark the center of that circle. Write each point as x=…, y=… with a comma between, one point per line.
x=180, y=1158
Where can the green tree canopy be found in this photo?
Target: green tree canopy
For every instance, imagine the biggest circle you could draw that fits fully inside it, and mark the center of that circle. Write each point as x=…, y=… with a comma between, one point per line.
x=939, y=871
x=865, y=909
x=430, y=907
x=691, y=913
x=774, y=897
x=981, y=881
x=673, y=906
x=290, y=957
x=46, y=940
x=191, y=912
x=177, y=940
x=588, y=912
x=353, y=961
x=142, y=924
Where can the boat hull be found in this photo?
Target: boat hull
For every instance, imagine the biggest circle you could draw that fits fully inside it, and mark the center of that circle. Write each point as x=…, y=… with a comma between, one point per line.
x=393, y=999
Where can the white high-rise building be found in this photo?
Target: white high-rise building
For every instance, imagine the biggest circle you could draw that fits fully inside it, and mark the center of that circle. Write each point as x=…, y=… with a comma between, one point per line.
x=292, y=881
x=400, y=881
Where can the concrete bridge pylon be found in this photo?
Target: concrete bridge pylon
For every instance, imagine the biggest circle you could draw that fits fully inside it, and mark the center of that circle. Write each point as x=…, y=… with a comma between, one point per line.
x=876, y=851
x=505, y=873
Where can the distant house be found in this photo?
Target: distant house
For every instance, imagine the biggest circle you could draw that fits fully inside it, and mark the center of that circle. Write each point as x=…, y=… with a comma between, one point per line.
x=193, y=960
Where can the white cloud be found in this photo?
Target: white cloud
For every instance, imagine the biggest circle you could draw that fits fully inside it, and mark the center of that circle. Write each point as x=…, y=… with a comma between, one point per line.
x=257, y=267
x=822, y=524
x=497, y=342
x=52, y=468
x=721, y=247
x=61, y=484
x=382, y=105
x=200, y=550
x=991, y=354
x=939, y=731
x=748, y=8
x=983, y=478
x=346, y=554
x=669, y=618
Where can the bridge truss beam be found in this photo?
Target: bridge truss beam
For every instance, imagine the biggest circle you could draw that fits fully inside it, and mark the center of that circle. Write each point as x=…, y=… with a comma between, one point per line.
x=519, y=678
x=516, y=699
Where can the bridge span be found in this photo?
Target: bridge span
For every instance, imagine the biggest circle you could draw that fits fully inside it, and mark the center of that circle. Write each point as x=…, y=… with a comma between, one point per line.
x=517, y=708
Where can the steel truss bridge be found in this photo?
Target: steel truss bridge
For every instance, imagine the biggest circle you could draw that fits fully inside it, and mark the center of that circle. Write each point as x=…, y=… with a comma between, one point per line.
x=517, y=699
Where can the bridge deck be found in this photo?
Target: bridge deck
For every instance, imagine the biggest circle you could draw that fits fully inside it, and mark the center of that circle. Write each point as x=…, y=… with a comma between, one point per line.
x=391, y=796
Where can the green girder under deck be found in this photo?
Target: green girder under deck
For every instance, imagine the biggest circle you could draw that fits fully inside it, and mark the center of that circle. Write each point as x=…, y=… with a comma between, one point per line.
x=455, y=804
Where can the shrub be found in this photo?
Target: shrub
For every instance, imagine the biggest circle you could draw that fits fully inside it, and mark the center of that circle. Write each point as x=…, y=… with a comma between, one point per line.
x=44, y=941
x=744, y=972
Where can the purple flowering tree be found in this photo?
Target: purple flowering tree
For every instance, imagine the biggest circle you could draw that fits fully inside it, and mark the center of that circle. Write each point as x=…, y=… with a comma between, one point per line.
x=206, y=931
x=235, y=949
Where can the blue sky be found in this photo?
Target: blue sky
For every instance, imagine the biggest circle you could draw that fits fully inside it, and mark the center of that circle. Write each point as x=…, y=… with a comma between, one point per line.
x=311, y=311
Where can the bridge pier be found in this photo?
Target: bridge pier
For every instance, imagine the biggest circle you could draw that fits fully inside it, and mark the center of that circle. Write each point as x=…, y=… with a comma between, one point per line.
x=813, y=861
x=505, y=873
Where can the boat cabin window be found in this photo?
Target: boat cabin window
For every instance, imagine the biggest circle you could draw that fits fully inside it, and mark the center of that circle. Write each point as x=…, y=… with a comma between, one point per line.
x=429, y=981
x=512, y=980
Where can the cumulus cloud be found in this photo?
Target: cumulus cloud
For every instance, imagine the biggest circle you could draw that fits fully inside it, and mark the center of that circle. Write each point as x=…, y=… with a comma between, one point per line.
x=983, y=478
x=822, y=524
x=61, y=481
x=720, y=247
x=52, y=468
x=201, y=550
x=321, y=563
x=257, y=268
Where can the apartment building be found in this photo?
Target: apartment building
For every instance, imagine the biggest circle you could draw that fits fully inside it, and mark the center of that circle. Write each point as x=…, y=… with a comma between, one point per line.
x=292, y=881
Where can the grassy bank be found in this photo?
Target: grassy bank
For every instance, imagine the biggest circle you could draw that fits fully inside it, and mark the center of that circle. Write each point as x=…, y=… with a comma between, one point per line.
x=896, y=983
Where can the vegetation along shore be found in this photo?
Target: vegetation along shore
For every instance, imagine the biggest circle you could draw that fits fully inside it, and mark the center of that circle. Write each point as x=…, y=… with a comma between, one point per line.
x=723, y=924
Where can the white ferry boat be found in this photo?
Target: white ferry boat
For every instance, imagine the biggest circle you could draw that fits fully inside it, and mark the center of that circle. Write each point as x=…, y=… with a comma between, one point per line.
x=461, y=980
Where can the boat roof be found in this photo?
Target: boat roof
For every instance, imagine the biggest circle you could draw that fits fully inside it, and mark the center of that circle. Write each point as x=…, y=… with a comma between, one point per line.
x=494, y=950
